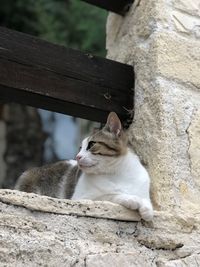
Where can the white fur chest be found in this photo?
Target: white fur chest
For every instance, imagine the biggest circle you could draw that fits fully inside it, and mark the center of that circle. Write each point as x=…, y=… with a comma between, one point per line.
x=128, y=176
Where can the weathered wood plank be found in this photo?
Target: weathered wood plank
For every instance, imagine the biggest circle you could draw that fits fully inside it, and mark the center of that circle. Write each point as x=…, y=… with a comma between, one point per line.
x=116, y=6
x=45, y=75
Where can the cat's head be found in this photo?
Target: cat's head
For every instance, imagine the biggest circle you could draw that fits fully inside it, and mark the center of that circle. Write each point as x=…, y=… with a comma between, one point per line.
x=102, y=149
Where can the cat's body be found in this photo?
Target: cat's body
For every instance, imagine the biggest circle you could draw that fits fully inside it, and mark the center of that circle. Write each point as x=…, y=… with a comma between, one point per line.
x=126, y=176
x=56, y=180
x=109, y=171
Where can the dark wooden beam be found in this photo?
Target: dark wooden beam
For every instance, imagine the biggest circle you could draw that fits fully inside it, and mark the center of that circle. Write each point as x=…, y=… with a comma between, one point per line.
x=116, y=6
x=41, y=74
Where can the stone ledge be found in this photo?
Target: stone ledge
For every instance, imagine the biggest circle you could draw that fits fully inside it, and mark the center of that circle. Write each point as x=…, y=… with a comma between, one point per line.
x=83, y=208
x=39, y=231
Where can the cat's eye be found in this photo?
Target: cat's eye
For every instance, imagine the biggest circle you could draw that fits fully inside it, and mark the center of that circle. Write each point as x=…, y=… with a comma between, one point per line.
x=90, y=145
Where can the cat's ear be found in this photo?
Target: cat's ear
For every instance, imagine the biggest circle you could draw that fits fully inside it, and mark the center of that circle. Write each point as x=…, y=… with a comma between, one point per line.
x=113, y=124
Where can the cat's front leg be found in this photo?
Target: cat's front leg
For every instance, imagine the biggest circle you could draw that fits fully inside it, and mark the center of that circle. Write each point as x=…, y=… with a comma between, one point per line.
x=146, y=210
x=128, y=201
x=136, y=203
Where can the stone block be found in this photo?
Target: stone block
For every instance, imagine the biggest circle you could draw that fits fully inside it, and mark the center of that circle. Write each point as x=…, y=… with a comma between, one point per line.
x=194, y=146
x=125, y=34
x=34, y=235
x=193, y=261
x=133, y=259
x=178, y=58
x=159, y=136
x=167, y=67
x=185, y=23
x=191, y=7
x=88, y=208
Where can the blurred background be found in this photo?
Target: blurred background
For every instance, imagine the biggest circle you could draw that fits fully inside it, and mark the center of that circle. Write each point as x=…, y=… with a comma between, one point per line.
x=32, y=137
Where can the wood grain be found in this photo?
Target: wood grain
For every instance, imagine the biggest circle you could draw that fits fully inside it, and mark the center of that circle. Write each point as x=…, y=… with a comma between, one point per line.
x=41, y=74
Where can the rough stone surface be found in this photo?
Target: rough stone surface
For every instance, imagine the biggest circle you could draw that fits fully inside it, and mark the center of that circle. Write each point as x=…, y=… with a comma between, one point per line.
x=116, y=259
x=194, y=146
x=171, y=64
x=167, y=96
x=57, y=237
x=191, y=7
x=193, y=261
x=97, y=209
x=185, y=23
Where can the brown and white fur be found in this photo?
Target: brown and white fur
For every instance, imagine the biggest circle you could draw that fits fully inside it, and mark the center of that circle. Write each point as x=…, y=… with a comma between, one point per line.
x=110, y=171
x=55, y=180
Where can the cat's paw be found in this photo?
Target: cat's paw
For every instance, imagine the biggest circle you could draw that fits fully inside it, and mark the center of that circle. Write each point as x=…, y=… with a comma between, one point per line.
x=130, y=202
x=146, y=213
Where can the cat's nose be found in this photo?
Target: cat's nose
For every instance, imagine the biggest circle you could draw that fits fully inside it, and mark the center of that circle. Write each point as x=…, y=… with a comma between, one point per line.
x=78, y=157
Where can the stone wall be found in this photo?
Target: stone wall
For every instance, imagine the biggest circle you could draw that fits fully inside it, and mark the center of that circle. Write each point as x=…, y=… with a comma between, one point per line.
x=161, y=38
x=42, y=231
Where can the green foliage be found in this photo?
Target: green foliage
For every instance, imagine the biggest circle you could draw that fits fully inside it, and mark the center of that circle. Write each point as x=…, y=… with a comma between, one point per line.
x=52, y=20
x=18, y=15
x=87, y=24
x=72, y=23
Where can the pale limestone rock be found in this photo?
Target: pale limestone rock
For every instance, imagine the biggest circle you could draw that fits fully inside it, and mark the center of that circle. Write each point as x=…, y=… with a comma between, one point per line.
x=191, y=7
x=84, y=208
x=190, y=261
x=187, y=251
x=194, y=147
x=178, y=58
x=186, y=23
x=165, y=150
x=132, y=259
x=34, y=235
x=166, y=95
x=125, y=35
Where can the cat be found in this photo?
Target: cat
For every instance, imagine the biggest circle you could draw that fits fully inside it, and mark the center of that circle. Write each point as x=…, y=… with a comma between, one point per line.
x=106, y=169
x=55, y=180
